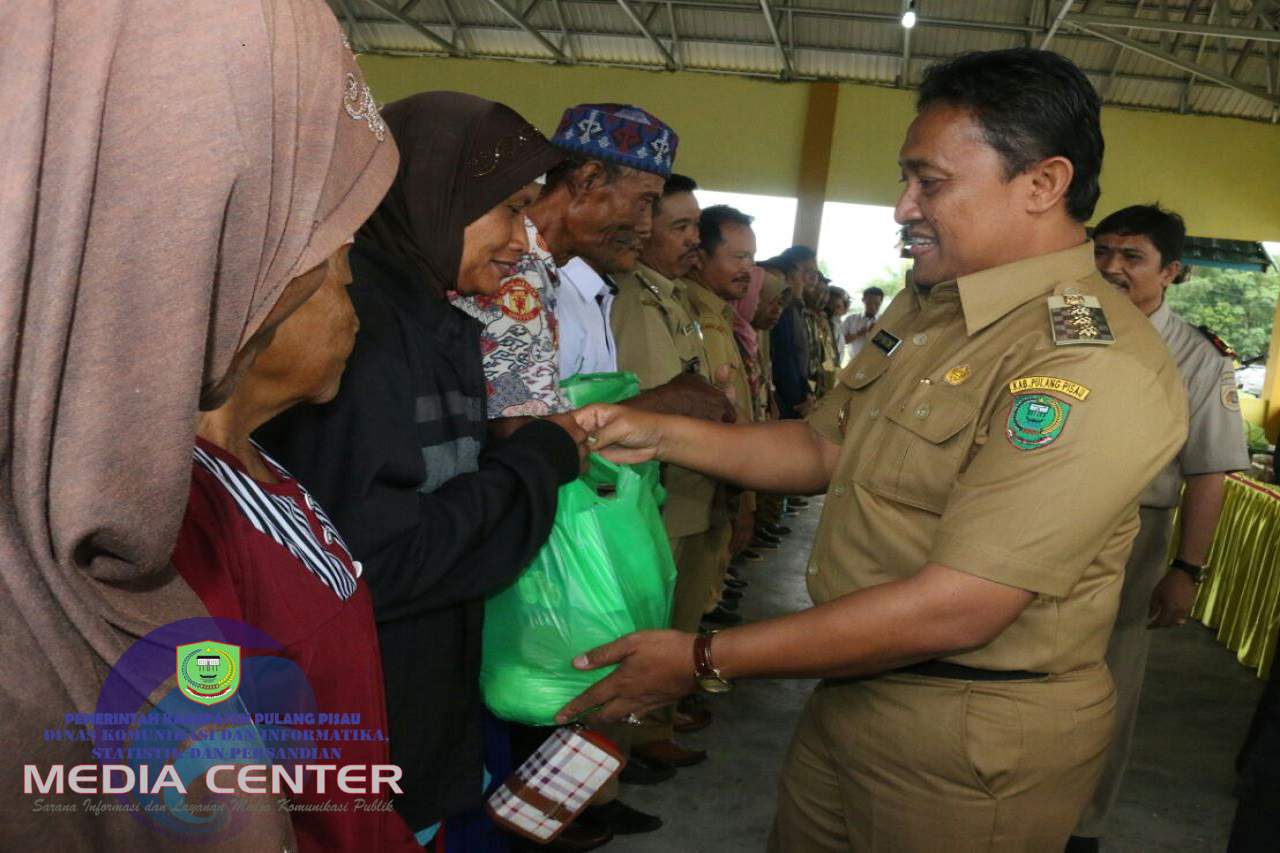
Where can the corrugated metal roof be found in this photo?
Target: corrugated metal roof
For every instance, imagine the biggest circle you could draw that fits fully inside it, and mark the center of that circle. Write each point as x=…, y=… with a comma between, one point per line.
x=862, y=40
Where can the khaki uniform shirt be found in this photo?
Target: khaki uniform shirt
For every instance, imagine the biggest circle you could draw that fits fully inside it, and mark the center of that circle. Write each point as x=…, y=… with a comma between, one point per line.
x=1215, y=438
x=716, y=318
x=979, y=444
x=658, y=338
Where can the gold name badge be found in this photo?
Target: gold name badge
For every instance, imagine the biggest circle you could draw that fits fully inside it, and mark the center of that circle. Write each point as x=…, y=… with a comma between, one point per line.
x=1048, y=383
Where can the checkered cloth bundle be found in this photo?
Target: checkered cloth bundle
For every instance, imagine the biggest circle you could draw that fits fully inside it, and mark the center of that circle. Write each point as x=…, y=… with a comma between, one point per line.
x=554, y=785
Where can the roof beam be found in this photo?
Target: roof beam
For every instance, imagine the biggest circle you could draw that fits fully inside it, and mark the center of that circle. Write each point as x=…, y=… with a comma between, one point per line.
x=1057, y=22
x=787, y=71
x=459, y=35
x=566, y=37
x=350, y=17
x=668, y=60
x=417, y=26
x=1089, y=23
x=1191, y=67
x=520, y=22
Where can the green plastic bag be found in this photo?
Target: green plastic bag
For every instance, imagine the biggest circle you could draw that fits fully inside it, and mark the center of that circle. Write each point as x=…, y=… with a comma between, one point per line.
x=586, y=388
x=605, y=571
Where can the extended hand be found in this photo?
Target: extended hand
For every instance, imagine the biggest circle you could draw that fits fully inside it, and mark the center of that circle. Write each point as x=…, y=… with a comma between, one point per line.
x=655, y=668
x=621, y=433
x=1172, y=599
x=690, y=394
x=569, y=423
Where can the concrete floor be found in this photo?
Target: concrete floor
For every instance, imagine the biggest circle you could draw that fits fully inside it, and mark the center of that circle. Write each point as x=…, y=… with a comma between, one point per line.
x=1177, y=797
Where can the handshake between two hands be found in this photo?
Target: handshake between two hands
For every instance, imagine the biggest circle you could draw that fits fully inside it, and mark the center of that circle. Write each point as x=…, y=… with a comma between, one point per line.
x=629, y=433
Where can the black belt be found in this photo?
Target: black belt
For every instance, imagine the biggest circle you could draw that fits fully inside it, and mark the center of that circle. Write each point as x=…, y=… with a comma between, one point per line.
x=942, y=669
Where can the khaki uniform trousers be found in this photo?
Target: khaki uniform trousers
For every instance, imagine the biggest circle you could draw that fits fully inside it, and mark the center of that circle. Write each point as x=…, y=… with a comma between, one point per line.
x=699, y=573
x=1127, y=657
x=909, y=764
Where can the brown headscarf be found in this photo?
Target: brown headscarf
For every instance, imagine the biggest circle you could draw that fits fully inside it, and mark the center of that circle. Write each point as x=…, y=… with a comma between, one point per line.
x=460, y=156
x=168, y=168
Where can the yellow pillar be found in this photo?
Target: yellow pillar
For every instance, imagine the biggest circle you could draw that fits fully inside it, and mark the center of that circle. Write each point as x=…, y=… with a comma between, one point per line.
x=815, y=161
x=1271, y=384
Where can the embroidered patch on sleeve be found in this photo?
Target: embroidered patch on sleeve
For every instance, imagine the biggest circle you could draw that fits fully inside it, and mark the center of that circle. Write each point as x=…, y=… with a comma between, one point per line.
x=1049, y=383
x=1036, y=421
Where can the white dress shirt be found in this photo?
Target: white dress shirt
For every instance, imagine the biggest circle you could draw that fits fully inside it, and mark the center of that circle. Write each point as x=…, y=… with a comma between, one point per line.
x=586, y=338
x=853, y=324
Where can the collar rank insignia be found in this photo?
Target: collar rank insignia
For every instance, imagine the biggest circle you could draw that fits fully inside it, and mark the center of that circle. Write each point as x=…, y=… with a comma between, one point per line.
x=1217, y=342
x=1078, y=319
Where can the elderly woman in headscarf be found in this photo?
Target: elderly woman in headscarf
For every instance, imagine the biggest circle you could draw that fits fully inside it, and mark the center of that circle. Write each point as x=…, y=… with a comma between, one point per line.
x=439, y=514
x=171, y=176
x=258, y=548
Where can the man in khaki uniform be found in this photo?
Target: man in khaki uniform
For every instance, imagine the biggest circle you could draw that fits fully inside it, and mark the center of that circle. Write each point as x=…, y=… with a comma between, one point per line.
x=727, y=256
x=1138, y=249
x=658, y=338
x=983, y=457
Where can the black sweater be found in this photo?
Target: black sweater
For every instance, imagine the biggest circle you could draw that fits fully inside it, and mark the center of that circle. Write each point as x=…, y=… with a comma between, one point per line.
x=438, y=519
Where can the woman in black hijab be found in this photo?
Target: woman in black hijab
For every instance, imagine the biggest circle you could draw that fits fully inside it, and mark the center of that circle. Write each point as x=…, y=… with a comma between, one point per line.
x=439, y=514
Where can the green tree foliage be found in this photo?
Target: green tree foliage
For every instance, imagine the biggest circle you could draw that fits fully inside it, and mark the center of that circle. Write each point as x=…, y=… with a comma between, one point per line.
x=1238, y=306
x=891, y=280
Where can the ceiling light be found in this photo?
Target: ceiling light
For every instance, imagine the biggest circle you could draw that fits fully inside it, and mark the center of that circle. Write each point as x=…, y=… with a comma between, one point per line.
x=909, y=14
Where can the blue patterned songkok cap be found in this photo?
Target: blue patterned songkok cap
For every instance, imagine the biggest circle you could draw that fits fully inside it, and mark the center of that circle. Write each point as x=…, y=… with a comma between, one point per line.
x=619, y=133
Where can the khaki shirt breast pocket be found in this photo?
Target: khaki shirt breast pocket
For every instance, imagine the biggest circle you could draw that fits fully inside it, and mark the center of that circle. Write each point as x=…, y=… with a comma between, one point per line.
x=924, y=439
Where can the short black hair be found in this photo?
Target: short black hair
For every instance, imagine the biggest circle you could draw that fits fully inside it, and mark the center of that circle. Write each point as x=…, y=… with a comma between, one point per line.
x=1031, y=104
x=573, y=162
x=711, y=225
x=679, y=184
x=1164, y=228
x=799, y=254
x=779, y=263
x=873, y=291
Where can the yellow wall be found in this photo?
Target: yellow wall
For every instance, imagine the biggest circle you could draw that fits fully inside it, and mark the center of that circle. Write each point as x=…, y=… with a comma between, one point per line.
x=735, y=134
x=746, y=135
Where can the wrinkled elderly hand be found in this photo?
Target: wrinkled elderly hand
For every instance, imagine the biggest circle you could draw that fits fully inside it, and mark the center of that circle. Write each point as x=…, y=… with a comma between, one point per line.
x=655, y=668
x=690, y=394
x=568, y=422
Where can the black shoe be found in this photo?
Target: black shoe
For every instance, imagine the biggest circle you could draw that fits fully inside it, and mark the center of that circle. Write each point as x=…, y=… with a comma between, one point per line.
x=778, y=530
x=642, y=771
x=763, y=545
x=621, y=818
x=735, y=566
x=1080, y=844
x=791, y=513
x=751, y=556
x=730, y=594
x=731, y=606
x=735, y=583
x=719, y=616
x=797, y=503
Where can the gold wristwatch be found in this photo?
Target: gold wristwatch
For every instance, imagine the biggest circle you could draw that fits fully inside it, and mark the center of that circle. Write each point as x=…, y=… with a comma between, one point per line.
x=709, y=678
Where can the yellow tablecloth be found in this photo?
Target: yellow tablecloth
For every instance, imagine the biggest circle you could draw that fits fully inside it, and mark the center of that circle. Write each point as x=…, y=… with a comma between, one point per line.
x=1241, y=598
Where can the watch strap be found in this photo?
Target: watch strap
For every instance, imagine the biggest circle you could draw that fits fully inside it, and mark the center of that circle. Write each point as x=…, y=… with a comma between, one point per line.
x=1181, y=565
x=702, y=664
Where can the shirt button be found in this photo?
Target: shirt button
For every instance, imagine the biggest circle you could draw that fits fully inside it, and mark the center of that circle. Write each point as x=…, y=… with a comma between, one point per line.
x=920, y=340
x=922, y=412
x=358, y=566
x=328, y=536
x=813, y=569
x=839, y=491
x=860, y=375
x=311, y=504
